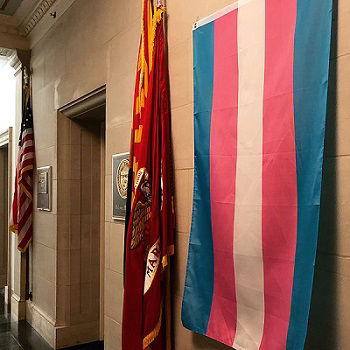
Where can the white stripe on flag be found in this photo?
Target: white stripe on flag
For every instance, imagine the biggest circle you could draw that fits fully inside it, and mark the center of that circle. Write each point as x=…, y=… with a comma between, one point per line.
x=22, y=233
x=27, y=143
x=27, y=132
x=222, y=12
x=29, y=155
x=23, y=208
x=248, y=260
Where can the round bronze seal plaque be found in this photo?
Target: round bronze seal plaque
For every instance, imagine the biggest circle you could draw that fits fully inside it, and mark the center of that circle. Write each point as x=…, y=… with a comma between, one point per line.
x=122, y=178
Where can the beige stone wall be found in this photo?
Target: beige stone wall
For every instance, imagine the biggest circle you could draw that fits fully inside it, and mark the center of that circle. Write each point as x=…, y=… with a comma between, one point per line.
x=95, y=43
x=67, y=63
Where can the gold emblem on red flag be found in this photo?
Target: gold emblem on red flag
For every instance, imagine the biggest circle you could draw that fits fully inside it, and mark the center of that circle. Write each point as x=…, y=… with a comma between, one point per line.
x=142, y=211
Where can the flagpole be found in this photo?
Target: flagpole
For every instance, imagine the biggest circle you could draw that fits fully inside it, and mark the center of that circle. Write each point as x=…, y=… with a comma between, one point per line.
x=30, y=250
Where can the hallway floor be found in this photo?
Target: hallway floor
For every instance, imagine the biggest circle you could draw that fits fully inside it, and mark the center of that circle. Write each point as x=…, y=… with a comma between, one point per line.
x=21, y=336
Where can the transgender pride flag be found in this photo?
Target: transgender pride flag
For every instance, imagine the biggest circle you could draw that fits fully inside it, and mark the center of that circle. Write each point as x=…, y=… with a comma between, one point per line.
x=260, y=93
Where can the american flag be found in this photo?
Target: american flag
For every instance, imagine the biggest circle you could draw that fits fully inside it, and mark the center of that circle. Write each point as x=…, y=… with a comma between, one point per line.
x=21, y=221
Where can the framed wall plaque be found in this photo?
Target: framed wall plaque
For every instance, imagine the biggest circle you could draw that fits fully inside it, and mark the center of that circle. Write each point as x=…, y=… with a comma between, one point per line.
x=120, y=169
x=44, y=188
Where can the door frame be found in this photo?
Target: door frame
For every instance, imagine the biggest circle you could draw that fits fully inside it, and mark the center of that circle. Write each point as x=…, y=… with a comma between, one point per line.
x=87, y=108
x=6, y=140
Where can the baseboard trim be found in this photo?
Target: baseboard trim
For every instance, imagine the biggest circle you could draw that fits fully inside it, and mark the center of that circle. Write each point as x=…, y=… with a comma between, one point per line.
x=41, y=322
x=60, y=337
x=77, y=334
x=18, y=308
x=96, y=345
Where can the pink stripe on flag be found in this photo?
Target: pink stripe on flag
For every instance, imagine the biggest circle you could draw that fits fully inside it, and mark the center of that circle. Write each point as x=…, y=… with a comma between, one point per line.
x=223, y=154
x=279, y=211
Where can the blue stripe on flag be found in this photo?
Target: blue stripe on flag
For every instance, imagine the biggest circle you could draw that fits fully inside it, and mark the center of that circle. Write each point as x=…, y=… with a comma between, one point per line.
x=199, y=282
x=311, y=65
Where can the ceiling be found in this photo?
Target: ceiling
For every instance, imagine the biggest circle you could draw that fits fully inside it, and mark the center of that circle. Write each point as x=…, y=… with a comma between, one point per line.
x=19, y=18
x=9, y=7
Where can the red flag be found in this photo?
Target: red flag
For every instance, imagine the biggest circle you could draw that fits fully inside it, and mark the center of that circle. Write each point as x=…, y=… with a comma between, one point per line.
x=150, y=227
x=21, y=221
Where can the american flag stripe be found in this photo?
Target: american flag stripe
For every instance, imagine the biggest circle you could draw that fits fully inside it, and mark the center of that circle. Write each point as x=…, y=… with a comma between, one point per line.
x=22, y=206
x=28, y=143
x=27, y=157
x=25, y=235
x=25, y=222
x=25, y=214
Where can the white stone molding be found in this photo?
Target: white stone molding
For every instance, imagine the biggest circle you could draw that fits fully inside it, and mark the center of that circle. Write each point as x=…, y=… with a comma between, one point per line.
x=36, y=15
x=5, y=137
x=14, y=60
x=5, y=52
x=85, y=104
